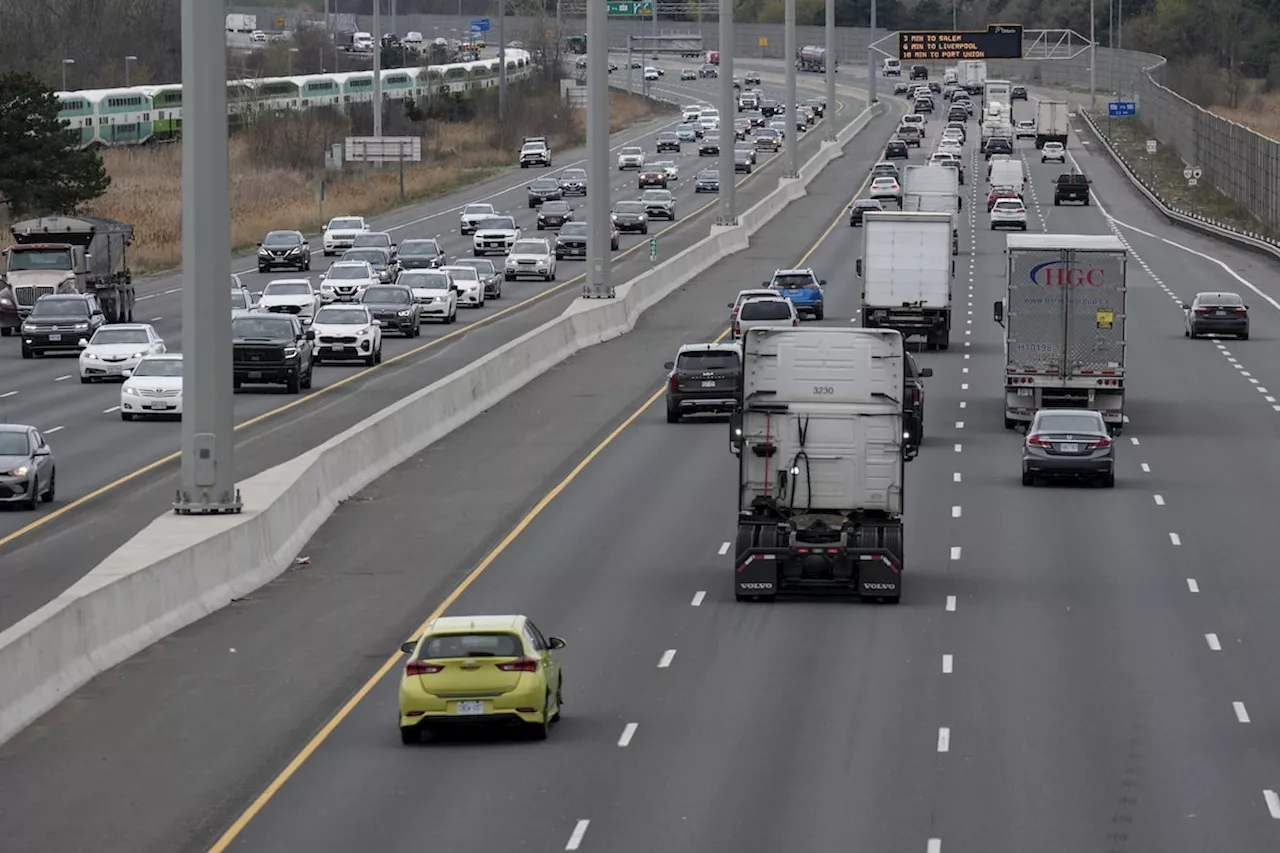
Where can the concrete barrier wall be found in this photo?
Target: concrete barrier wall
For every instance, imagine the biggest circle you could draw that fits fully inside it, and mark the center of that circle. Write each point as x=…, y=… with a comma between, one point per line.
x=181, y=568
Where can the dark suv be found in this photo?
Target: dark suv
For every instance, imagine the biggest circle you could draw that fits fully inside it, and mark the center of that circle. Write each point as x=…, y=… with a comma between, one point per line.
x=271, y=349
x=704, y=378
x=544, y=189
x=284, y=249
x=668, y=141
x=913, y=402
x=394, y=308
x=919, y=72
x=997, y=145
x=59, y=321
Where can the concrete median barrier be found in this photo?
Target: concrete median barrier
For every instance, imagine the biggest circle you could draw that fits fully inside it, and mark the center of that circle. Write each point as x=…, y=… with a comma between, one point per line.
x=181, y=568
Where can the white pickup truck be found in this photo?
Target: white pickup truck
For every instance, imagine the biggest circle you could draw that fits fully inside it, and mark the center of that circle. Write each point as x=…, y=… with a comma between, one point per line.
x=535, y=151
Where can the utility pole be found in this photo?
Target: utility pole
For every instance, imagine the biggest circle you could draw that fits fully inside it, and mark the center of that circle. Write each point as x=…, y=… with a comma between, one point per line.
x=829, y=113
x=132, y=58
x=728, y=109
x=871, y=59
x=208, y=424
x=1093, y=62
x=791, y=140
x=502, y=62
x=599, y=284
x=377, y=69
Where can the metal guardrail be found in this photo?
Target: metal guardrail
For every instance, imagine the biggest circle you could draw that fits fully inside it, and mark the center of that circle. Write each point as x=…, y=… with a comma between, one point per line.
x=1212, y=227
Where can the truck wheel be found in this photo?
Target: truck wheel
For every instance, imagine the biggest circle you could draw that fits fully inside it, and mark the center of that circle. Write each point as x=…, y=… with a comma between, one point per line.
x=26, y=353
x=1010, y=423
x=673, y=415
x=6, y=332
x=292, y=385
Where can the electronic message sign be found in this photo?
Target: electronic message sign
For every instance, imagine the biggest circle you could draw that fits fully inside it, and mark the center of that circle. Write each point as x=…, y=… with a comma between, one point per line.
x=998, y=41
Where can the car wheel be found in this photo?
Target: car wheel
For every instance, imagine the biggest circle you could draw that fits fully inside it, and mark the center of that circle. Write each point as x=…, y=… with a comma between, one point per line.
x=1109, y=481
x=411, y=735
x=377, y=355
x=33, y=495
x=305, y=381
x=1027, y=479
x=555, y=718
x=51, y=492
x=540, y=731
x=26, y=353
x=85, y=380
x=292, y=385
x=1193, y=334
x=1245, y=336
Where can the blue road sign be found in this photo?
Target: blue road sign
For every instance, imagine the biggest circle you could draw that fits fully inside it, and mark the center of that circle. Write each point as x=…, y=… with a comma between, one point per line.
x=1122, y=108
x=479, y=25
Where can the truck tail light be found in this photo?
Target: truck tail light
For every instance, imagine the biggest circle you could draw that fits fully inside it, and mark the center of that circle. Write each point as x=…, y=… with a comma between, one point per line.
x=673, y=384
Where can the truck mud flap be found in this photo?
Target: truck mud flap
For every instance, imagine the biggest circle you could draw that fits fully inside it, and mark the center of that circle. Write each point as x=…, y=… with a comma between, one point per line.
x=878, y=572
x=879, y=575
x=756, y=573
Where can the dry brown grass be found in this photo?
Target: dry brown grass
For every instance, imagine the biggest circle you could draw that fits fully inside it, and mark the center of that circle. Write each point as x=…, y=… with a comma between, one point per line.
x=1259, y=112
x=146, y=183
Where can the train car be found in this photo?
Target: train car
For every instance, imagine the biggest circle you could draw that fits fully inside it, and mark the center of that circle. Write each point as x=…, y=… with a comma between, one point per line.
x=166, y=105
x=320, y=90
x=399, y=84
x=76, y=111
x=357, y=86
x=123, y=116
x=278, y=93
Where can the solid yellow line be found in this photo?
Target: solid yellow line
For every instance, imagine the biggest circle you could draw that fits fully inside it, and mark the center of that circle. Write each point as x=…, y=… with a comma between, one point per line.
x=303, y=400
x=321, y=736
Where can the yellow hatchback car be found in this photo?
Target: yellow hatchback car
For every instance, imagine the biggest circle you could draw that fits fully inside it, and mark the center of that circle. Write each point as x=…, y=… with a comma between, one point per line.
x=480, y=670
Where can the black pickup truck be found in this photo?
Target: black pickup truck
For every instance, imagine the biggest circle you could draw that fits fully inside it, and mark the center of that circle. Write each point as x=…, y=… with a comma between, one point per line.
x=1071, y=186
x=271, y=349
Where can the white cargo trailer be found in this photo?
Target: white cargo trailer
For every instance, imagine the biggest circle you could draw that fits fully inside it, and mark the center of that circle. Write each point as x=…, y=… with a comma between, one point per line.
x=1052, y=122
x=934, y=189
x=821, y=455
x=972, y=74
x=906, y=270
x=1064, y=321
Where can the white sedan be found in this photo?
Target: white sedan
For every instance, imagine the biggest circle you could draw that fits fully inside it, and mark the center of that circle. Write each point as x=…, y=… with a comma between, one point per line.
x=154, y=387
x=347, y=332
x=1054, y=151
x=886, y=187
x=435, y=293
x=291, y=296
x=531, y=258
x=116, y=348
x=470, y=288
x=1009, y=213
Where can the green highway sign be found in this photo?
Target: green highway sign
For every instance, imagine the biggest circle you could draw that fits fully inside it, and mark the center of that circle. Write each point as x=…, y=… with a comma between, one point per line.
x=653, y=249
x=630, y=7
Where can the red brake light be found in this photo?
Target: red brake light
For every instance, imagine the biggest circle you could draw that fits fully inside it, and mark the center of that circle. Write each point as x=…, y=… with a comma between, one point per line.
x=795, y=321
x=1238, y=309
x=672, y=383
x=421, y=667
x=915, y=396
x=1202, y=310
x=1037, y=441
x=521, y=665
x=1102, y=441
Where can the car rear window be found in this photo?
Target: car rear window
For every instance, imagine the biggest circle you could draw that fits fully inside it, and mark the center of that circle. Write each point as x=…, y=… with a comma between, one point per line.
x=792, y=280
x=1221, y=299
x=707, y=361
x=765, y=309
x=471, y=646
x=1069, y=424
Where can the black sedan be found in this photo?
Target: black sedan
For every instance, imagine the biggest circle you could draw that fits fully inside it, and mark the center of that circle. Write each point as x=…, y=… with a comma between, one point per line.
x=861, y=207
x=421, y=254
x=554, y=214
x=1216, y=314
x=709, y=146
x=1068, y=444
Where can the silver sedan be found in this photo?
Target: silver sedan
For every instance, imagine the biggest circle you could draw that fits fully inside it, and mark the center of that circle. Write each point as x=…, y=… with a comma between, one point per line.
x=1069, y=444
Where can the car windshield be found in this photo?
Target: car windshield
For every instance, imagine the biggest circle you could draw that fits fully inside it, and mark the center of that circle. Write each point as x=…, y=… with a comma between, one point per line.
x=709, y=175
x=688, y=128
x=766, y=133
x=793, y=279
x=1063, y=422
x=546, y=184
x=415, y=248
x=21, y=259
x=480, y=265
x=868, y=204
x=424, y=280
x=708, y=360
x=577, y=229
x=498, y=223
x=348, y=273
x=631, y=150
x=1219, y=299
x=555, y=207
x=528, y=247
x=765, y=309
x=335, y=315
x=478, y=210
x=387, y=295
x=373, y=240
x=287, y=288
x=463, y=274
x=282, y=238
x=261, y=326
x=14, y=444
x=372, y=256
x=471, y=646
x=47, y=307
x=238, y=300
x=108, y=335
x=657, y=195
x=575, y=175
x=159, y=367
x=346, y=225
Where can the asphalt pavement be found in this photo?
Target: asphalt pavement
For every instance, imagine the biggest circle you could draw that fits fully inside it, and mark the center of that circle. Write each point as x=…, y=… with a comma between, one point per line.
x=43, y=553
x=1070, y=669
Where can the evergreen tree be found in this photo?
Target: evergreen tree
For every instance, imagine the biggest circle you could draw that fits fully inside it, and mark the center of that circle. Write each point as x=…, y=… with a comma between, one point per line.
x=44, y=173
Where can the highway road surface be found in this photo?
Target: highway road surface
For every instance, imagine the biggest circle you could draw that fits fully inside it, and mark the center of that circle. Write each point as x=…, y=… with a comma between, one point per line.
x=96, y=450
x=1070, y=669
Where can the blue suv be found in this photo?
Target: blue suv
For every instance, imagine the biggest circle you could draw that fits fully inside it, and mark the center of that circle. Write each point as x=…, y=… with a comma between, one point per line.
x=801, y=288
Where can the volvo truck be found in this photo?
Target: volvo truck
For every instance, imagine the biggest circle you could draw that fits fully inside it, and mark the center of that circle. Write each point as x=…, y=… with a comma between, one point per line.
x=821, y=455
x=906, y=270
x=1064, y=326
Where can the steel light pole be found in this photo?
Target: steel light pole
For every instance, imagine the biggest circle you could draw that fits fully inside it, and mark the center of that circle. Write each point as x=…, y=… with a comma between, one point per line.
x=598, y=284
x=127, y=60
x=790, y=141
x=728, y=178
x=292, y=51
x=1093, y=62
x=65, y=63
x=829, y=113
x=377, y=69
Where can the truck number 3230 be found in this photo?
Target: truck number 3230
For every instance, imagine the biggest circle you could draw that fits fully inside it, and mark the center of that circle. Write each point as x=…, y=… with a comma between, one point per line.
x=823, y=390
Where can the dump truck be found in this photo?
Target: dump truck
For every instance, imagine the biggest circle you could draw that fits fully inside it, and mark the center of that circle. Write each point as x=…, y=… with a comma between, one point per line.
x=65, y=254
x=1064, y=326
x=934, y=189
x=906, y=270
x=821, y=455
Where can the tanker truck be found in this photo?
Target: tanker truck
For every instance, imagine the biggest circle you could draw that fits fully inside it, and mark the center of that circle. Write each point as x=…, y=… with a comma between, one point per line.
x=813, y=58
x=67, y=254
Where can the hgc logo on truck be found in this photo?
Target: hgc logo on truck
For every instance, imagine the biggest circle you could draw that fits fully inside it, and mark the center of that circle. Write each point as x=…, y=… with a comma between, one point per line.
x=1058, y=274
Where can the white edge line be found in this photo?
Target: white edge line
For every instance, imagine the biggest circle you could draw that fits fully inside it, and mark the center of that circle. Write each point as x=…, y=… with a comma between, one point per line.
x=1273, y=803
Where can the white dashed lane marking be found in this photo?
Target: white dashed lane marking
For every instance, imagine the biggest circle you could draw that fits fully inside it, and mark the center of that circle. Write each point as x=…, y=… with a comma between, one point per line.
x=951, y=603
x=1273, y=803
x=697, y=598
x=63, y=378
x=724, y=549
x=944, y=739
x=110, y=410
x=1241, y=714
x=1159, y=500
x=948, y=664
x=665, y=661
x=1175, y=539
x=1193, y=585
x=955, y=552
x=52, y=430
x=1214, y=643
x=628, y=733
x=7, y=394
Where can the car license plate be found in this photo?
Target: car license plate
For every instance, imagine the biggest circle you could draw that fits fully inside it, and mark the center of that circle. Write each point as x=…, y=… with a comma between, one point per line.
x=470, y=708
x=708, y=383
x=255, y=374
x=1069, y=447
x=157, y=406
x=55, y=337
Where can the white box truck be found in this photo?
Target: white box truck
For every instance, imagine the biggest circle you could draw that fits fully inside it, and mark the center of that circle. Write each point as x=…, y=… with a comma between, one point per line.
x=934, y=189
x=906, y=271
x=998, y=92
x=821, y=456
x=972, y=75
x=1052, y=122
x=1064, y=326
x=1008, y=173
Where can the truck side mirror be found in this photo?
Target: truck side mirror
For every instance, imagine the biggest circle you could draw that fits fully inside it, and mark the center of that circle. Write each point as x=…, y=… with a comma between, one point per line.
x=735, y=431
x=999, y=311
x=858, y=268
x=925, y=372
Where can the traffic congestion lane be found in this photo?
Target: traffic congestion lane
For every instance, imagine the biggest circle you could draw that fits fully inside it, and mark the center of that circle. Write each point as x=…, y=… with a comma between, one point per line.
x=251, y=721
x=94, y=459
x=111, y=455
x=160, y=301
